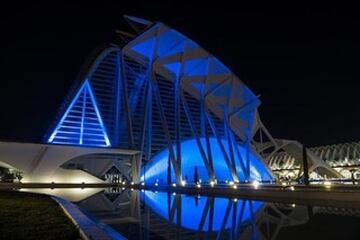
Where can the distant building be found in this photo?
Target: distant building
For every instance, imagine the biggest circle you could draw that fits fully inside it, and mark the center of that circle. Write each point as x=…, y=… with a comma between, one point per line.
x=343, y=158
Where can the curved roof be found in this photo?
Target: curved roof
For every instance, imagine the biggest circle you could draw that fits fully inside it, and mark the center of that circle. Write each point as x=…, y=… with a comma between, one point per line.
x=175, y=56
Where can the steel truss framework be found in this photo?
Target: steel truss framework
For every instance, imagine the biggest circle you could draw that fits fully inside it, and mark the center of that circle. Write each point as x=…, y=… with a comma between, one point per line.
x=157, y=91
x=344, y=158
x=160, y=89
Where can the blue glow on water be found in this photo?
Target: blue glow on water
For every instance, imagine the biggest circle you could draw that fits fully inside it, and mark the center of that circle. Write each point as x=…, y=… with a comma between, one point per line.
x=157, y=167
x=193, y=210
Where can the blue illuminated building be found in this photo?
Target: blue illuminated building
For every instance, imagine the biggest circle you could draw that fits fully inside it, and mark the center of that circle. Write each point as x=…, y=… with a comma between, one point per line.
x=162, y=94
x=81, y=124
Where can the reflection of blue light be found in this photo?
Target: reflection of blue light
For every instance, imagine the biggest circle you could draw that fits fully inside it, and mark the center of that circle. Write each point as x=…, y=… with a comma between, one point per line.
x=81, y=124
x=157, y=167
x=193, y=210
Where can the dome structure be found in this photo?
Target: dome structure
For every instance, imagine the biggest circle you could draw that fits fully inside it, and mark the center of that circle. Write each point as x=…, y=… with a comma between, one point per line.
x=157, y=169
x=165, y=96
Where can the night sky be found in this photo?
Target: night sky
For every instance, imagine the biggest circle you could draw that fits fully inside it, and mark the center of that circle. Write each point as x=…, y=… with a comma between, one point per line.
x=305, y=63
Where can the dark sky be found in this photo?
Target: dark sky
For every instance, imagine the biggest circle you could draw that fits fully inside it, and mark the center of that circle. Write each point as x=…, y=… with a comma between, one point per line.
x=305, y=62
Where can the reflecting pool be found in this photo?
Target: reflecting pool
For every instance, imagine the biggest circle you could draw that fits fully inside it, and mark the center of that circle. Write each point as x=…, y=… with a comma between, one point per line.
x=168, y=215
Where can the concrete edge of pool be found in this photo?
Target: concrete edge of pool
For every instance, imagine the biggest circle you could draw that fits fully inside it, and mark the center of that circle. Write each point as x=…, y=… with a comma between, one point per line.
x=88, y=228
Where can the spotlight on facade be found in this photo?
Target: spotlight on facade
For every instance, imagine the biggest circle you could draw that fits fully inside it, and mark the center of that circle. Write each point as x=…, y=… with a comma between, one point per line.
x=327, y=184
x=292, y=188
x=183, y=183
x=157, y=182
x=256, y=184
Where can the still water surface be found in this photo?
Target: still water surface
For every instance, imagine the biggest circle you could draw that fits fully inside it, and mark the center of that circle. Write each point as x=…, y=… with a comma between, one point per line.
x=165, y=215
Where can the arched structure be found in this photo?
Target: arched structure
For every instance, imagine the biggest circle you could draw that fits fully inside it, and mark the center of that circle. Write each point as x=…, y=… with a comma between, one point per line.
x=344, y=160
x=162, y=94
x=155, y=94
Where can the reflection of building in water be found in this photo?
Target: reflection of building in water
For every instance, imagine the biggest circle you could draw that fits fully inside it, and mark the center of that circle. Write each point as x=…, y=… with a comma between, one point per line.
x=343, y=158
x=162, y=215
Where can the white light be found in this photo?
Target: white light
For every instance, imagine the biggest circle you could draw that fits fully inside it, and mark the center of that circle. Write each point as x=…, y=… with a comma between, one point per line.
x=235, y=187
x=183, y=183
x=174, y=185
x=283, y=183
x=256, y=184
x=198, y=185
x=123, y=189
x=132, y=183
x=231, y=183
x=327, y=184
x=156, y=184
x=293, y=205
x=292, y=188
x=123, y=183
x=235, y=199
x=142, y=184
x=131, y=189
x=212, y=183
x=174, y=194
